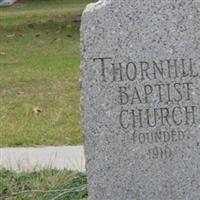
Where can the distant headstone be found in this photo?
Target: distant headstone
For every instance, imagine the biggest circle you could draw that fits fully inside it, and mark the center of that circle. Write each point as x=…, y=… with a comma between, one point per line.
x=140, y=99
x=7, y=2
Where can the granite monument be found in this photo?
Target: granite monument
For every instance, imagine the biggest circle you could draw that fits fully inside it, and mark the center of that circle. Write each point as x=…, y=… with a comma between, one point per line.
x=140, y=99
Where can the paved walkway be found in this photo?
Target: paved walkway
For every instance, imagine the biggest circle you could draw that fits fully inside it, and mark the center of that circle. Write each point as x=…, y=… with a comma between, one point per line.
x=29, y=159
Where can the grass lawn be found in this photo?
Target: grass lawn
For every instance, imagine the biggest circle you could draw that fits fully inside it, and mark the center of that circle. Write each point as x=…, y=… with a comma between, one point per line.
x=39, y=73
x=43, y=185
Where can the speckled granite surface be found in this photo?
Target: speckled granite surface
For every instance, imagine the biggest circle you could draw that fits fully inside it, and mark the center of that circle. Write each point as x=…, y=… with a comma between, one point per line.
x=140, y=99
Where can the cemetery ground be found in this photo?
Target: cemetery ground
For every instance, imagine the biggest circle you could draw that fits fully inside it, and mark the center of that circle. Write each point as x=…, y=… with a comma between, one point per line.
x=43, y=185
x=39, y=73
x=39, y=92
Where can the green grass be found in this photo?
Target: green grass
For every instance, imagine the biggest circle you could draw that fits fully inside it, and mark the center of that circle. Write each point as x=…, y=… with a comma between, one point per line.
x=39, y=68
x=40, y=10
x=42, y=185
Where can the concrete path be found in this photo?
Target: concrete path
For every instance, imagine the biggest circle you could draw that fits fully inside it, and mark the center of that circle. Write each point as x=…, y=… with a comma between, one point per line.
x=29, y=159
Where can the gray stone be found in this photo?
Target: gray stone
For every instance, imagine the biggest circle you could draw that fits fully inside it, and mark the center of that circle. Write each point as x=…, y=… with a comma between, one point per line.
x=140, y=99
x=7, y=2
x=38, y=158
